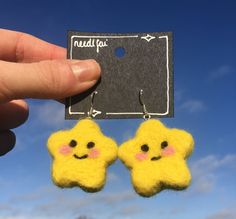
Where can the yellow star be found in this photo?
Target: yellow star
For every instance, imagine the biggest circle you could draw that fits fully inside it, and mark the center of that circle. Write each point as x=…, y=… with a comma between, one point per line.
x=156, y=157
x=81, y=156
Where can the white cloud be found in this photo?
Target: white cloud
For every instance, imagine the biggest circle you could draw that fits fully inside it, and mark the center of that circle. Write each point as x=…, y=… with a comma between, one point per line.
x=5, y=207
x=50, y=114
x=204, y=171
x=130, y=210
x=203, y=184
x=178, y=95
x=21, y=217
x=128, y=134
x=189, y=105
x=226, y=138
x=46, y=117
x=14, y=217
x=114, y=198
x=50, y=202
x=224, y=214
x=111, y=177
x=193, y=106
x=220, y=72
x=127, y=211
x=38, y=194
x=212, y=162
x=83, y=217
x=69, y=205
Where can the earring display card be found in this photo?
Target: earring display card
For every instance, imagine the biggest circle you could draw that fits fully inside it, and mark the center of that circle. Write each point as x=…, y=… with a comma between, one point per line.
x=130, y=62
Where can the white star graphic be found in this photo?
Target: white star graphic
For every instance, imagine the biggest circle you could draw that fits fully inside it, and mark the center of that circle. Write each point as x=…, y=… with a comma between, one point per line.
x=148, y=37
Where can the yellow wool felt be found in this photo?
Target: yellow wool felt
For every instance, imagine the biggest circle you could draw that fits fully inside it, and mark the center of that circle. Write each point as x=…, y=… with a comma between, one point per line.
x=156, y=157
x=81, y=156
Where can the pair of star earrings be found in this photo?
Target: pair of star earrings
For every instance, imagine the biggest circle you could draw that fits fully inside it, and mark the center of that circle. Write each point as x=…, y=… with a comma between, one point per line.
x=156, y=156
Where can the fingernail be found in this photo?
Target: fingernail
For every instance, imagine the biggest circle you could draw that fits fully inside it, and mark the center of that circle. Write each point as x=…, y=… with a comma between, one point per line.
x=85, y=70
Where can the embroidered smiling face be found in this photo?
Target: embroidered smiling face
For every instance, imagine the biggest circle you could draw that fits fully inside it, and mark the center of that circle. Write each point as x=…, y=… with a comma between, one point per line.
x=156, y=157
x=69, y=150
x=81, y=156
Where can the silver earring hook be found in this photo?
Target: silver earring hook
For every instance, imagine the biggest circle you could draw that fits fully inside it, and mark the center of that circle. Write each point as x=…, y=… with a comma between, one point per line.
x=92, y=112
x=146, y=115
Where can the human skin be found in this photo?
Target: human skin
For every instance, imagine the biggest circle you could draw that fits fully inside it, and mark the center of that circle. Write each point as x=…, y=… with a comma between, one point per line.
x=33, y=68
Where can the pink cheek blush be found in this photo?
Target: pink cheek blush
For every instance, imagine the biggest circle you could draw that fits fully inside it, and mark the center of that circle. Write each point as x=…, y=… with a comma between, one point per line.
x=141, y=156
x=168, y=151
x=65, y=150
x=94, y=153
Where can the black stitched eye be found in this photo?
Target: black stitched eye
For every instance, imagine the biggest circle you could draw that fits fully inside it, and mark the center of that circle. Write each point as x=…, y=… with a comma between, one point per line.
x=73, y=143
x=144, y=148
x=164, y=144
x=90, y=144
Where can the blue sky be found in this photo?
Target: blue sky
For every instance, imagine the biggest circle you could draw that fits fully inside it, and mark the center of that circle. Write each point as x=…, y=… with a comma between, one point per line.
x=205, y=102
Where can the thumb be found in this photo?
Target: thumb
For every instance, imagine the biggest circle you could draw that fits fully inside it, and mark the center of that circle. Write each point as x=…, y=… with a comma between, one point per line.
x=55, y=79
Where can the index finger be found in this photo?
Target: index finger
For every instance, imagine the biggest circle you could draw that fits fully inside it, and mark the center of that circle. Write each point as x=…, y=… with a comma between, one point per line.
x=22, y=47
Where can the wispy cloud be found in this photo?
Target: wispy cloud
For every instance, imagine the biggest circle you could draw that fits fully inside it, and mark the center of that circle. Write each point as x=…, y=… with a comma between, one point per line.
x=193, y=106
x=44, y=118
x=49, y=203
x=224, y=214
x=130, y=210
x=4, y=182
x=188, y=104
x=220, y=72
x=62, y=205
x=127, y=135
x=21, y=217
x=204, y=171
x=212, y=162
x=111, y=177
x=117, y=197
x=179, y=94
x=83, y=217
x=49, y=113
x=5, y=208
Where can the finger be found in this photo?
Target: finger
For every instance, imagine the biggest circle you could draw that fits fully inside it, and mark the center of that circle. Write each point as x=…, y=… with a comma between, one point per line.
x=7, y=141
x=61, y=100
x=21, y=47
x=13, y=114
x=55, y=79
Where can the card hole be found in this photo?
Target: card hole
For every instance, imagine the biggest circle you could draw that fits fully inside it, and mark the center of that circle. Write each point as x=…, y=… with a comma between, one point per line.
x=119, y=52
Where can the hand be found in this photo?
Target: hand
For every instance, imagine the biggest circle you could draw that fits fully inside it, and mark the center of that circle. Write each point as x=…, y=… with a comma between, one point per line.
x=32, y=68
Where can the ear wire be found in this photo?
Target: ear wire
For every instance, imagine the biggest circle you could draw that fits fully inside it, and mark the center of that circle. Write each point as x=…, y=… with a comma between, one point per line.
x=92, y=112
x=146, y=115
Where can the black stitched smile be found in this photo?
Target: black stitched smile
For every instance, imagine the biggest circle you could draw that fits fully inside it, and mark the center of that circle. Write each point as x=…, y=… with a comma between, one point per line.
x=156, y=158
x=82, y=157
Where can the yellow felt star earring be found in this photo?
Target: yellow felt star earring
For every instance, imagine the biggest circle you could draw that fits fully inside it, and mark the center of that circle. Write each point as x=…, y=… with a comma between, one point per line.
x=156, y=157
x=81, y=156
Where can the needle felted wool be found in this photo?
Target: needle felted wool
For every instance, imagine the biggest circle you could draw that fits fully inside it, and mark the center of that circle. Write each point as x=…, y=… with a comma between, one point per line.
x=81, y=156
x=156, y=157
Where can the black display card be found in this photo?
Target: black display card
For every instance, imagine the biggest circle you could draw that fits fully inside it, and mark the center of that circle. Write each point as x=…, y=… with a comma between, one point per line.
x=130, y=62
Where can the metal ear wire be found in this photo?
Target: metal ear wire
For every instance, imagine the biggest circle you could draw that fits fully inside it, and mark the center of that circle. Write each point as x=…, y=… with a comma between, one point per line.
x=146, y=115
x=92, y=112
